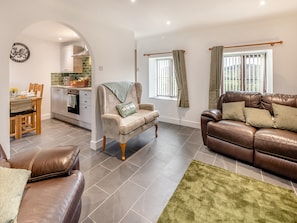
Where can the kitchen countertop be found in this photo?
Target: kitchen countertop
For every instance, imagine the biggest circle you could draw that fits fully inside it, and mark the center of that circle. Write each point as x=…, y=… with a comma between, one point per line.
x=71, y=87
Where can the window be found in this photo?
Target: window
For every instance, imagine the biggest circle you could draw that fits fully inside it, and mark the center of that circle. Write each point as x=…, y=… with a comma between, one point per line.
x=247, y=71
x=161, y=78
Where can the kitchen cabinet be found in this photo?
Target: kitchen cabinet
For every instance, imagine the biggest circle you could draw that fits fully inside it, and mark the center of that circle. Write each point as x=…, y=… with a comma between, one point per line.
x=85, y=108
x=59, y=100
x=59, y=97
x=70, y=64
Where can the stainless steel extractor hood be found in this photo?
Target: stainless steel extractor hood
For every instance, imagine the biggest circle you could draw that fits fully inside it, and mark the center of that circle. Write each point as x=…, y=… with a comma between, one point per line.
x=83, y=53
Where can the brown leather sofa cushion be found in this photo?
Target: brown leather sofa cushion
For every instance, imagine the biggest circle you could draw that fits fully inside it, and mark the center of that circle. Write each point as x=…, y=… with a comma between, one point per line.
x=251, y=99
x=47, y=163
x=53, y=200
x=282, y=99
x=235, y=132
x=276, y=142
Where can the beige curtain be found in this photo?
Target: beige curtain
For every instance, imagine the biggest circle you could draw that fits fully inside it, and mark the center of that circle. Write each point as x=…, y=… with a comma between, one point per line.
x=181, y=78
x=216, y=67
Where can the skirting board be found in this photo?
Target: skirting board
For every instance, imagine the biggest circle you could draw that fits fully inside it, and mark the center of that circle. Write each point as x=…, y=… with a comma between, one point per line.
x=195, y=125
x=95, y=145
x=45, y=116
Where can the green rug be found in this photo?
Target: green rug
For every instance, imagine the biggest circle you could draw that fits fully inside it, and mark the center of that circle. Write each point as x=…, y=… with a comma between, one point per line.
x=210, y=194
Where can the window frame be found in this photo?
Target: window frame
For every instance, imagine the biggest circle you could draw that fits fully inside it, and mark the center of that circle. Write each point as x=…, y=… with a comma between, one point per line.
x=154, y=80
x=268, y=66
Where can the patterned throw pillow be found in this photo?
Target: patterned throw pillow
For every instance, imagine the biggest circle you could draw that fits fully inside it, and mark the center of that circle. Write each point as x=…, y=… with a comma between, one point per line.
x=126, y=109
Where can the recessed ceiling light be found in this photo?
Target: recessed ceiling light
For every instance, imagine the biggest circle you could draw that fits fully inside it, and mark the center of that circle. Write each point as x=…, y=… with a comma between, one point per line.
x=60, y=38
x=262, y=3
x=133, y=1
x=168, y=22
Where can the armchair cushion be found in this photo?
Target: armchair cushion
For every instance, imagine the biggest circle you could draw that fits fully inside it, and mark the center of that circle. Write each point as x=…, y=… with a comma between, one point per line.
x=12, y=185
x=131, y=123
x=149, y=115
x=47, y=163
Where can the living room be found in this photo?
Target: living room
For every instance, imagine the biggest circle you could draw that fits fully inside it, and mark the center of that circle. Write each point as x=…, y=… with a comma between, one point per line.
x=119, y=45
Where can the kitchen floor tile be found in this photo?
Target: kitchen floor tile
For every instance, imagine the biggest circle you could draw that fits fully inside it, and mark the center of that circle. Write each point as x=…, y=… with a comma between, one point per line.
x=133, y=217
x=116, y=178
x=91, y=199
x=118, y=204
x=152, y=202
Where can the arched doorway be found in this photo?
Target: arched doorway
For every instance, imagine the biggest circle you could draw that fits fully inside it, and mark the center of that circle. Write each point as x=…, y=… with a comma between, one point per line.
x=46, y=41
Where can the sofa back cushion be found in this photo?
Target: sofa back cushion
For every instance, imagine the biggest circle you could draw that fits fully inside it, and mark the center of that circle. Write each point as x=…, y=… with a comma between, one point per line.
x=281, y=99
x=108, y=101
x=251, y=99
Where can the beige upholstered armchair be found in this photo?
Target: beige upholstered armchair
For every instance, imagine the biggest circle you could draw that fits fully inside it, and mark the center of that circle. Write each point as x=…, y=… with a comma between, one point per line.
x=123, y=115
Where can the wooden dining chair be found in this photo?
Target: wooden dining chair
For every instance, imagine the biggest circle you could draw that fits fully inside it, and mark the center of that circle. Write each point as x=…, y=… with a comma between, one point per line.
x=18, y=111
x=28, y=121
x=38, y=89
x=15, y=126
x=31, y=87
x=28, y=118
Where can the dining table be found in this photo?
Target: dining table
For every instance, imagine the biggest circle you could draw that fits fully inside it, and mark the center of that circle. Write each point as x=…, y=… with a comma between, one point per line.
x=36, y=105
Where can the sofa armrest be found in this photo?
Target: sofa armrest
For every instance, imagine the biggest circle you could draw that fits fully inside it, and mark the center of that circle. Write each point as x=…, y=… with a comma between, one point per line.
x=111, y=119
x=214, y=114
x=47, y=163
x=149, y=107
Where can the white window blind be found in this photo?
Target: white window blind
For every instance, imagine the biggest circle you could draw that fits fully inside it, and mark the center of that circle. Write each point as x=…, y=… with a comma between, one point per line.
x=245, y=72
x=162, y=77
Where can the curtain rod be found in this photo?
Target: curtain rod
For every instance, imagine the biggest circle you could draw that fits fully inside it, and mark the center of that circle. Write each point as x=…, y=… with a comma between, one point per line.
x=253, y=44
x=150, y=54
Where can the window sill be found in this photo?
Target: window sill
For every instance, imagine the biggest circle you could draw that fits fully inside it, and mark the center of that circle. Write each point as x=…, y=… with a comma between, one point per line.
x=164, y=98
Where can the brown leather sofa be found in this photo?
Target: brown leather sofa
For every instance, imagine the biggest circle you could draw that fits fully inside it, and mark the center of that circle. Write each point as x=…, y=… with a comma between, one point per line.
x=54, y=189
x=271, y=149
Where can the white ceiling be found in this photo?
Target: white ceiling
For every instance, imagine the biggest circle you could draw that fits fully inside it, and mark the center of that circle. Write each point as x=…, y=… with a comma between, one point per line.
x=149, y=17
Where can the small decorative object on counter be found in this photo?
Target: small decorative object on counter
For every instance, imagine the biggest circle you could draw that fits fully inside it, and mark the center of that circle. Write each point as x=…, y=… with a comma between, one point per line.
x=80, y=83
x=13, y=92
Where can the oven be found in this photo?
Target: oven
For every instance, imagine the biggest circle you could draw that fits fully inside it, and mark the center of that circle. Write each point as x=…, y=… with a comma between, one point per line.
x=73, y=101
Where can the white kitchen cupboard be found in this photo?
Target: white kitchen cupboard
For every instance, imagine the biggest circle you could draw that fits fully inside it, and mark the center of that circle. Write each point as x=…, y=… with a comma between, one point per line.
x=59, y=96
x=85, y=108
x=59, y=100
x=70, y=64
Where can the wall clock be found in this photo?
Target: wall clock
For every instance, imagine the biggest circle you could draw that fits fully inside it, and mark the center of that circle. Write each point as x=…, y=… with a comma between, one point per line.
x=19, y=52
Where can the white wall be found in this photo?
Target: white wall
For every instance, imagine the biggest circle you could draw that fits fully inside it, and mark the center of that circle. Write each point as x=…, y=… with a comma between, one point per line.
x=196, y=42
x=110, y=47
x=44, y=59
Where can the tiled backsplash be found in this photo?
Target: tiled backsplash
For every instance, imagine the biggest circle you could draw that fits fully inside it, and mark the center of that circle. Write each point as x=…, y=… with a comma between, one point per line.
x=57, y=78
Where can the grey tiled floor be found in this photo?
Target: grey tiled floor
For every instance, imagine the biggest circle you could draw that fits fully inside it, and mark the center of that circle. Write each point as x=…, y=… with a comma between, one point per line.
x=137, y=189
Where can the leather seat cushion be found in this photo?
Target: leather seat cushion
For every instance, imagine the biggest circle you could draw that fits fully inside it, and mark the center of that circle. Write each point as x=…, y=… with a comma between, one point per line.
x=277, y=142
x=235, y=132
x=130, y=123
